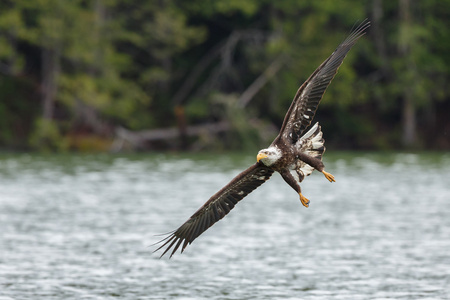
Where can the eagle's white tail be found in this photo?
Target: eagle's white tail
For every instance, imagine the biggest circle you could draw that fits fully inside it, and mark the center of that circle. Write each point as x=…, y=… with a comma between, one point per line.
x=311, y=143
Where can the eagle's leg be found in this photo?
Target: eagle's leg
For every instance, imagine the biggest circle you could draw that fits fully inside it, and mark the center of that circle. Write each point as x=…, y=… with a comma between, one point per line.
x=287, y=176
x=304, y=200
x=328, y=176
x=316, y=164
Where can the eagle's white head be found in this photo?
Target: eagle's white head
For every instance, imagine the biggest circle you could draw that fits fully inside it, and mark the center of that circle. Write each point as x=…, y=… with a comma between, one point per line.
x=269, y=156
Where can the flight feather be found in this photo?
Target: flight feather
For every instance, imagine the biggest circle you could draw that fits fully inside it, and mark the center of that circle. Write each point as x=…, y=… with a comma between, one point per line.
x=306, y=100
x=217, y=207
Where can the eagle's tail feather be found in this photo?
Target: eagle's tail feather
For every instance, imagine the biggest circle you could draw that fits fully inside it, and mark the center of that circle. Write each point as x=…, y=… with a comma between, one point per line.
x=311, y=143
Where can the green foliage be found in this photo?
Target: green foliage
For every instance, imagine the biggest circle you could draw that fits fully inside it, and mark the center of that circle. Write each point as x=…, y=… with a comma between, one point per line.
x=47, y=136
x=128, y=61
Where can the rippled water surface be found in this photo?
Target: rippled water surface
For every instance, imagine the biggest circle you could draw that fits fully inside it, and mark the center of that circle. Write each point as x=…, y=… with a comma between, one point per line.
x=80, y=227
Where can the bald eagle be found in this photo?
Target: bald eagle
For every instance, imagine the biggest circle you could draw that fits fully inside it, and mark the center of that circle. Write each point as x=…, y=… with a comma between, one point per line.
x=291, y=154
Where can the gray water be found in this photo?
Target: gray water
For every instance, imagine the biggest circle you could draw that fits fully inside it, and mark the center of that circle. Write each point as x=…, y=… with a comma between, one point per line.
x=80, y=227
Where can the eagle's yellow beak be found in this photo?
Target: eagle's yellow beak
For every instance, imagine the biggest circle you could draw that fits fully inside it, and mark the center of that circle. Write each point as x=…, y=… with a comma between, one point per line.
x=260, y=156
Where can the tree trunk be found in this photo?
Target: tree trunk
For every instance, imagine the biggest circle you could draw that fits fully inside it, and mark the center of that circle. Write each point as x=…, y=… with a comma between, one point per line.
x=182, y=126
x=409, y=120
x=88, y=115
x=409, y=137
x=378, y=35
x=50, y=73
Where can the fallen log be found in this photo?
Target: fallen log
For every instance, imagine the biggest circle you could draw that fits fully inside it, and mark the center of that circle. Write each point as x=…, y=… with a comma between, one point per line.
x=139, y=139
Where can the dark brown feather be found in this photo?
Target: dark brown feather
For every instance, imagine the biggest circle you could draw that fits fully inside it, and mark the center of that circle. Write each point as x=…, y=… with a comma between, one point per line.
x=305, y=103
x=218, y=206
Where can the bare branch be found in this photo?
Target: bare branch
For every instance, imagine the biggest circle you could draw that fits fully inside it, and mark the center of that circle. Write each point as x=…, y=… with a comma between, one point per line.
x=262, y=79
x=187, y=86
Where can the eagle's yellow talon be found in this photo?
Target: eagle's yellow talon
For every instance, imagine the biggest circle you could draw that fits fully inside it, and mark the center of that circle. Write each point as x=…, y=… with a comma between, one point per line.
x=329, y=176
x=304, y=200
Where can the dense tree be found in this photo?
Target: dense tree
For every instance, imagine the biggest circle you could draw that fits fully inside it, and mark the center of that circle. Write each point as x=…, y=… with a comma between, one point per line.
x=82, y=74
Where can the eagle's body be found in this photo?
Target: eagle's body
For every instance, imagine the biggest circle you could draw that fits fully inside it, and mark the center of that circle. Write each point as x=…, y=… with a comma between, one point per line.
x=292, y=154
x=310, y=144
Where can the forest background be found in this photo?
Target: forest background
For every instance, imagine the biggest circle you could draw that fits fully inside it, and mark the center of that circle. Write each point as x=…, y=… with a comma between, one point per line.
x=119, y=75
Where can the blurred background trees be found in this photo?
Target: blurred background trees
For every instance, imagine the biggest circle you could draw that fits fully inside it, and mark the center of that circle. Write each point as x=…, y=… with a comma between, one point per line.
x=118, y=74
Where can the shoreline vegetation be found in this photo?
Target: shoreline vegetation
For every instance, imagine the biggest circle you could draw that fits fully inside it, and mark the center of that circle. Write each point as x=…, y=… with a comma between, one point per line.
x=119, y=76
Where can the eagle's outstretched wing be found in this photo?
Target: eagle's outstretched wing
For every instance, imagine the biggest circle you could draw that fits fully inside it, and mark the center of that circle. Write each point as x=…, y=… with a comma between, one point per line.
x=216, y=207
x=304, y=106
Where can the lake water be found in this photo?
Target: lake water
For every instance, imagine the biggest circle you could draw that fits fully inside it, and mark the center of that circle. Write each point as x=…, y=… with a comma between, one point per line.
x=80, y=227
